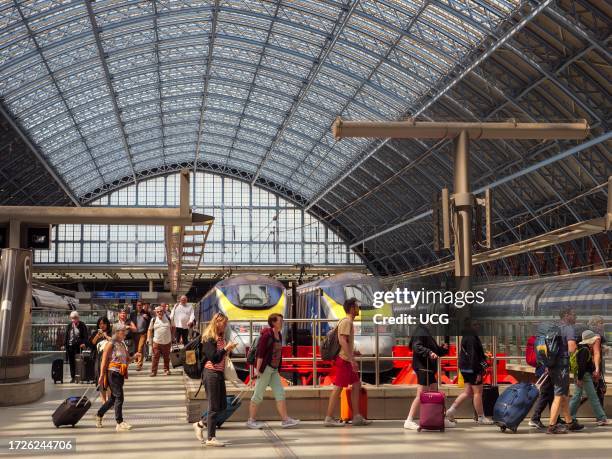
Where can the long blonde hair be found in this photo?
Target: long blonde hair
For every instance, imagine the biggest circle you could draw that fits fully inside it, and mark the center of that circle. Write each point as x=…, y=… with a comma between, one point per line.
x=210, y=332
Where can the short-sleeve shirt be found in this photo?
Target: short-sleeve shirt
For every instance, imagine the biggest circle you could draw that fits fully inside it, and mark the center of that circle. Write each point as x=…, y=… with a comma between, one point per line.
x=568, y=333
x=345, y=327
x=162, y=330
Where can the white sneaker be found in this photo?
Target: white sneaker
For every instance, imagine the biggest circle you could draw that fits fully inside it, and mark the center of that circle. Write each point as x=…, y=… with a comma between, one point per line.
x=253, y=424
x=483, y=420
x=215, y=443
x=123, y=427
x=98, y=422
x=450, y=415
x=289, y=422
x=359, y=420
x=199, y=432
x=331, y=422
x=448, y=423
x=410, y=425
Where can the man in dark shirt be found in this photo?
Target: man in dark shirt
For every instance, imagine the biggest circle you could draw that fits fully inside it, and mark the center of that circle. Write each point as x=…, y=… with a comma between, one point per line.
x=559, y=374
x=75, y=340
x=141, y=318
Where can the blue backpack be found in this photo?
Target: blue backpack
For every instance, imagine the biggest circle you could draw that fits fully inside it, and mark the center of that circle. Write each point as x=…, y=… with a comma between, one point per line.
x=548, y=344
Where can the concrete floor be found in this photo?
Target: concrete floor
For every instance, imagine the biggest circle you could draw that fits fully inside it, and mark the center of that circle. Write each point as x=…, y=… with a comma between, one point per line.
x=155, y=407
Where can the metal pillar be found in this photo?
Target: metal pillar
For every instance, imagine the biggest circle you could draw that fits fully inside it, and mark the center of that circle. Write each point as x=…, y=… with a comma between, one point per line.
x=463, y=211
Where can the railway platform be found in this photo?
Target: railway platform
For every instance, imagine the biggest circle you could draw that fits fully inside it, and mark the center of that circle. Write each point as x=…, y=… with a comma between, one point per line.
x=156, y=409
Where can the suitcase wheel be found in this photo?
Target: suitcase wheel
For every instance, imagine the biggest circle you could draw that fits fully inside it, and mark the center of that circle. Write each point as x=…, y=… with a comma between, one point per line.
x=502, y=428
x=514, y=429
x=418, y=429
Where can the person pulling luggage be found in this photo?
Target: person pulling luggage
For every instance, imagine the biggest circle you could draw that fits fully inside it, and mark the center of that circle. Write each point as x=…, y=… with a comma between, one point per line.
x=269, y=359
x=75, y=340
x=425, y=353
x=215, y=350
x=547, y=394
x=102, y=336
x=114, y=372
x=472, y=364
x=583, y=374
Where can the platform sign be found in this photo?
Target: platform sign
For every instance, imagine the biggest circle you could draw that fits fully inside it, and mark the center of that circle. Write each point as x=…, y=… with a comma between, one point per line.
x=115, y=295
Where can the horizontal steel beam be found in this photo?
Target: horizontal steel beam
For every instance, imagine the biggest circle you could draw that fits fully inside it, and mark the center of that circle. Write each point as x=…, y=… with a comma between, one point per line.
x=412, y=129
x=100, y=215
x=555, y=237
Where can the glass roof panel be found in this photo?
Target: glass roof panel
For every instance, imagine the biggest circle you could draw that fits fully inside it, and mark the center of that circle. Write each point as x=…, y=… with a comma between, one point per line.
x=259, y=94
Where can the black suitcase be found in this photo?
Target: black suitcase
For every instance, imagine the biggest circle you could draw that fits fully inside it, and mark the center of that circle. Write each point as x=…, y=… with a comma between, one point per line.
x=57, y=371
x=489, y=397
x=84, y=367
x=71, y=410
x=177, y=356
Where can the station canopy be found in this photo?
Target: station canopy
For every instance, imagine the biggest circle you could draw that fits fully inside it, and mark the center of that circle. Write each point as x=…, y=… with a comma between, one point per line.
x=112, y=91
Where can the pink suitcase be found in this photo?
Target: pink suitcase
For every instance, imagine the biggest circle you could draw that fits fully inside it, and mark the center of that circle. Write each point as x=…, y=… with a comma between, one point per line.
x=432, y=411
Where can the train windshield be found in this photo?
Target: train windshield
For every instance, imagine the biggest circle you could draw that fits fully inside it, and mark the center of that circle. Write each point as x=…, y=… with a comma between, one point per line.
x=363, y=292
x=253, y=296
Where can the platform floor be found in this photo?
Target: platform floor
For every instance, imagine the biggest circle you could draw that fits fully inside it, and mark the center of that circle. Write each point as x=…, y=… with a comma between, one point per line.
x=156, y=408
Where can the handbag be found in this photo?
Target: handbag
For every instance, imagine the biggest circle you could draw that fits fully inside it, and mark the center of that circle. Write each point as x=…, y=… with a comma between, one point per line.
x=229, y=372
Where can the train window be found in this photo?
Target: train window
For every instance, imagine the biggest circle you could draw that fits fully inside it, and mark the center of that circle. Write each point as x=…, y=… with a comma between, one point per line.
x=363, y=293
x=253, y=295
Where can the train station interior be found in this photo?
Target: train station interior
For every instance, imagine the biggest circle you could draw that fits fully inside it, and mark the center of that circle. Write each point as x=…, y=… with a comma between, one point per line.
x=332, y=228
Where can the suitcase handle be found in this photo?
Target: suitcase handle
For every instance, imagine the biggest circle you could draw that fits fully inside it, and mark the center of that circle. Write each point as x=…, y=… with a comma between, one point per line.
x=541, y=380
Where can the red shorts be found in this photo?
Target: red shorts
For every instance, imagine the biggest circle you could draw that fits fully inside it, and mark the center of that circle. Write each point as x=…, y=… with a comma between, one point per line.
x=345, y=375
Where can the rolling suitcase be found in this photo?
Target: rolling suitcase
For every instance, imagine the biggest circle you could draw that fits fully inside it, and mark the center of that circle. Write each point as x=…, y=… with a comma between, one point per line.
x=346, y=407
x=515, y=402
x=490, y=394
x=71, y=410
x=177, y=356
x=233, y=403
x=84, y=367
x=432, y=411
x=57, y=371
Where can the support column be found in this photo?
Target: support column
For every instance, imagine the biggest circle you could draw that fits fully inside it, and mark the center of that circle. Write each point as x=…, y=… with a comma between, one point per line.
x=463, y=208
x=14, y=236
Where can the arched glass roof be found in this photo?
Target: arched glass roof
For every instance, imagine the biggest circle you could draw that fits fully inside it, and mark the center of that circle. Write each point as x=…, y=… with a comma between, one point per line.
x=113, y=89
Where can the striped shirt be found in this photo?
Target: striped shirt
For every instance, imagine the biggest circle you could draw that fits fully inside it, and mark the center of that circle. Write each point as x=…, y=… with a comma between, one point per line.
x=220, y=366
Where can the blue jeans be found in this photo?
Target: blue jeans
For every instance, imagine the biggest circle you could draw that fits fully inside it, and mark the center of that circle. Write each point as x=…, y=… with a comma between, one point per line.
x=589, y=388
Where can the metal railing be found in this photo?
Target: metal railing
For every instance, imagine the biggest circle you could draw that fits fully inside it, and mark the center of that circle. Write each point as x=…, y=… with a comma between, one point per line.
x=377, y=358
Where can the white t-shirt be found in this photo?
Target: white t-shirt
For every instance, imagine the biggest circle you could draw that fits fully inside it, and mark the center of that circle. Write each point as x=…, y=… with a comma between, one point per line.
x=182, y=315
x=162, y=330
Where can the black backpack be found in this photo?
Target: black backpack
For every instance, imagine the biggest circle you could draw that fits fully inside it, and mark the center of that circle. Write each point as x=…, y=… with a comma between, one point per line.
x=194, y=370
x=330, y=345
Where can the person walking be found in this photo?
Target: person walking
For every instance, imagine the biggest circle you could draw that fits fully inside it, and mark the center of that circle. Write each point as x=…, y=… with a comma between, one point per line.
x=472, y=364
x=183, y=317
x=75, y=340
x=102, y=336
x=141, y=319
x=160, y=333
x=114, y=372
x=600, y=349
x=425, y=353
x=583, y=377
x=346, y=368
x=547, y=393
x=269, y=359
x=215, y=351
x=559, y=374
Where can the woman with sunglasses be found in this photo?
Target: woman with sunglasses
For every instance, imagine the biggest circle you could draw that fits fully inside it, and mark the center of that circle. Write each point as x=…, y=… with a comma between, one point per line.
x=215, y=350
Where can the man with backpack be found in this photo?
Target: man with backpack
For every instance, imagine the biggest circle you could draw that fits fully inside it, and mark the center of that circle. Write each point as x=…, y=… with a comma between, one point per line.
x=583, y=367
x=560, y=343
x=346, y=369
x=546, y=389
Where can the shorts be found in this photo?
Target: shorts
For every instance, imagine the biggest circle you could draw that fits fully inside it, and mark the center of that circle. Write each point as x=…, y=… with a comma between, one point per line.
x=345, y=374
x=270, y=377
x=473, y=378
x=425, y=377
x=560, y=378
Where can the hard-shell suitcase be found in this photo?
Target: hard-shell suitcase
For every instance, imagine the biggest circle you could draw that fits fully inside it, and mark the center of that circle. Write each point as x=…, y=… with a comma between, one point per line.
x=432, y=411
x=514, y=403
x=57, y=371
x=71, y=410
x=233, y=403
x=177, y=356
x=346, y=406
x=490, y=394
x=85, y=367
